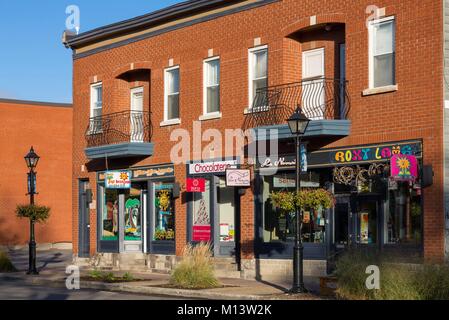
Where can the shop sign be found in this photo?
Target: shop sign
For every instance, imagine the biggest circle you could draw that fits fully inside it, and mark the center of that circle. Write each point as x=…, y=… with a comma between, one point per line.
x=404, y=167
x=288, y=161
x=346, y=156
x=211, y=167
x=283, y=182
x=238, y=178
x=149, y=172
x=195, y=185
x=201, y=233
x=118, y=179
x=373, y=153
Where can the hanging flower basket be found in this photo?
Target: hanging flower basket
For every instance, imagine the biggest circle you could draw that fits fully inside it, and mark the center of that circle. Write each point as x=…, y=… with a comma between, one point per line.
x=306, y=199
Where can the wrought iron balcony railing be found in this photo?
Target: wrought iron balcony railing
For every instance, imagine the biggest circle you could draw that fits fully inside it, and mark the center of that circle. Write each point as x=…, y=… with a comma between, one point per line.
x=319, y=99
x=117, y=128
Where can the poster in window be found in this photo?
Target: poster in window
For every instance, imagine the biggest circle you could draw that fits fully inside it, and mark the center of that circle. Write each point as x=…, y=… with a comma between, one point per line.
x=364, y=223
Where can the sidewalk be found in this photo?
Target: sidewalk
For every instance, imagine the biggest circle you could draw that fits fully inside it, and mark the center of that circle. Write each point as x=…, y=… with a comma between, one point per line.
x=157, y=284
x=51, y=265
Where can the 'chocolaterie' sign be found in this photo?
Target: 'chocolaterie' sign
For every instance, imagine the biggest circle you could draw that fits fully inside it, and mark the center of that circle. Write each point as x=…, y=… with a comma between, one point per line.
x=348, y=156
x=212, y=167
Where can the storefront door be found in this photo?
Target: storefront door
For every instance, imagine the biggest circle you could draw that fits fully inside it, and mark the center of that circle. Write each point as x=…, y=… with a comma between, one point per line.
x=84, y=220
x=213, y=216
x=131, y=213
x=225, y=235
x=343, y=225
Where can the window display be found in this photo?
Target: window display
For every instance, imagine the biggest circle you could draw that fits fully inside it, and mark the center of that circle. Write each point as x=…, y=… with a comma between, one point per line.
x=279, y=226
x=201, y=230
x=164, y=208
x=110, y=215
x=403, y=219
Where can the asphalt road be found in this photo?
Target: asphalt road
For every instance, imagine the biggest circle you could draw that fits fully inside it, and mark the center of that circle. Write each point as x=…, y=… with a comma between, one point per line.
x=18, y=290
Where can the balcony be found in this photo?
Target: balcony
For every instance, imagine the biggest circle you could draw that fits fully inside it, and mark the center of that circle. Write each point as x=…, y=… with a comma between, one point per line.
x=121, y=134
x=325, y=101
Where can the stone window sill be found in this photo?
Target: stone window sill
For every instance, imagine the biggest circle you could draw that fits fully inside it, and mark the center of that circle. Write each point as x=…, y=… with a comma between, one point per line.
x=168, y=123
x=380, y=90
x=211, y=116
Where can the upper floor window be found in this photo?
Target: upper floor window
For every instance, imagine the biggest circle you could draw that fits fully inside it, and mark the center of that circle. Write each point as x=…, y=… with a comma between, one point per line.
x=96, y=106
x=211, y=86
x=171, y=101
x=382, y=53
x=258, y=71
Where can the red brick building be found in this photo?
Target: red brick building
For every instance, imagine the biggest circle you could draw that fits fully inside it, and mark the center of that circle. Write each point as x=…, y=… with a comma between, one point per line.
x=354, y=69
x=48, y=128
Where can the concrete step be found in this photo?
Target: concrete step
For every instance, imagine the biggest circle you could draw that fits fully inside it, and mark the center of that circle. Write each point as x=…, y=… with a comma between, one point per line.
x=227, y=274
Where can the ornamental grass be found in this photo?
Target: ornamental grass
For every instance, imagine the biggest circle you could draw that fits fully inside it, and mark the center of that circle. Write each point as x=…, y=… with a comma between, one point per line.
x=5, y=263
x=398, y=280
x=196, y=269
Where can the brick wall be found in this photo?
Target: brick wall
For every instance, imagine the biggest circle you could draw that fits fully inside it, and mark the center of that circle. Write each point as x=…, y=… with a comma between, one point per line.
x=49, y=130
x=414, y=111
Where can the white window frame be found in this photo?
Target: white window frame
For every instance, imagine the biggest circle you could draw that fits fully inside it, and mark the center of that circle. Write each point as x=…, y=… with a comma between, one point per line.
x=170, y=122
x=371, y=48
x=210, y=115
x=93, y=87
x=251, y=79
x=94, y=105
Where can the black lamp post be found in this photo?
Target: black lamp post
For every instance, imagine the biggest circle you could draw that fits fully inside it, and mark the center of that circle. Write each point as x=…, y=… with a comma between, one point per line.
x=31, y=160
x=298, y=124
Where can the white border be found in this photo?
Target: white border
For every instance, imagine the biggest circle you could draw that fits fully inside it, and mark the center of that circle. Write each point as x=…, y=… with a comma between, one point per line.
x=370, y=48
x=92, y=88
x=250, y=71
x=210, y=115
x=170, y=122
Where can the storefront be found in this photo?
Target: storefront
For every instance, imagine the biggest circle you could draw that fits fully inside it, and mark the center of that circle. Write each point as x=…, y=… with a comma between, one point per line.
x=213, y=208
x=136, y=210
x=374, y=208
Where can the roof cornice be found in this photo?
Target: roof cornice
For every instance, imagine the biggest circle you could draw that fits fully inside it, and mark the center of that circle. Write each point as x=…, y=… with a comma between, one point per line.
x=154, y=18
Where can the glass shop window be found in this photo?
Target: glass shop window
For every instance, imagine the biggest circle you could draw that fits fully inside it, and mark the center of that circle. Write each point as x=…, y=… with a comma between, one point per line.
x=403, y=221
x=164, y=209
x=110, y=215
x=281, y=226
x=201, y=226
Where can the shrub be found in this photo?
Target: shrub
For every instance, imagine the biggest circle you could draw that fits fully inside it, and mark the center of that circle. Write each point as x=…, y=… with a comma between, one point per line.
x=109, y=277
x=33, y=212
x=95, y=274
x=196, y=270
x=398, y=281
x=128, y=277
x=6, y=264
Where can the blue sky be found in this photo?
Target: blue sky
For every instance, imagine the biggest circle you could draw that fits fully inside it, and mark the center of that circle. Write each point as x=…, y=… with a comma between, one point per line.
x=34, y=65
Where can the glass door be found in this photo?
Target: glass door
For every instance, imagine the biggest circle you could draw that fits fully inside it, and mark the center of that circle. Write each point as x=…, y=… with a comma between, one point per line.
x=132, y=208
x=313, y=90
x=136, y=117
x=226, y=208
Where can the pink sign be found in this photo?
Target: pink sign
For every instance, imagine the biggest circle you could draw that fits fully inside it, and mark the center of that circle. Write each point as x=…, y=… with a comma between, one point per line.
x=195, y=185
x=201, y=233
x=404, y=167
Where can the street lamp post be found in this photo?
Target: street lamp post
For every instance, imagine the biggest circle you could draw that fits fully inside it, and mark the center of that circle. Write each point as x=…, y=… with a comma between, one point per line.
x=31, y=160
x=298, y=124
